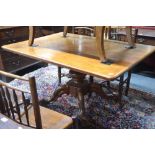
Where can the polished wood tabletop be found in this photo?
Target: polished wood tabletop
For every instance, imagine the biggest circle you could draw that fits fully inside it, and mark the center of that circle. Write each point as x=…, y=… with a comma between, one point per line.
x=7, y=123
x=79, y=53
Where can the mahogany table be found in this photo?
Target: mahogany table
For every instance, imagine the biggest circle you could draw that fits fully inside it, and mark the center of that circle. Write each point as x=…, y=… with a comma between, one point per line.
x=79, y=54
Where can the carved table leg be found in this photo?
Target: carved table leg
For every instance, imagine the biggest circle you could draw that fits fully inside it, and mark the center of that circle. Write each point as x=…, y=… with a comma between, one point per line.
x=77, y=87
x=98, y=89
x=59, y=92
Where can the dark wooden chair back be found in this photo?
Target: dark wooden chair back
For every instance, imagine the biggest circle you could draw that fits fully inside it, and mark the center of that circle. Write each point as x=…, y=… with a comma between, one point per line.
x=84, y=30
x=11, y=106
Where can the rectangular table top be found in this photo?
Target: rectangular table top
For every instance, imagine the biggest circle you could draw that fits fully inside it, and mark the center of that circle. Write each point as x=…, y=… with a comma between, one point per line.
x=79, y=53
x=7, y=123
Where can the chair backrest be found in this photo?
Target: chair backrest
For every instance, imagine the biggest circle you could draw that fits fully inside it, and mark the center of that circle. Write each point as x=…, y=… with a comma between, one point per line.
x=84, y=30
x=11, y=106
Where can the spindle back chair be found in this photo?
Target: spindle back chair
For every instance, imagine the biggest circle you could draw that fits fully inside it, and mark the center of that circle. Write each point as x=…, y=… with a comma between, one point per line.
x=15, y=104
x=84, y=30
x=15, y=108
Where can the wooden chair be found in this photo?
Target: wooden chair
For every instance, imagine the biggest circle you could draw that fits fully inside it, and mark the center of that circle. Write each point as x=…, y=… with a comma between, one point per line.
x=84, y=30
x=13, y=103
x=128, y=33
x=100, y=32
x=89, y=31
x=81, y=30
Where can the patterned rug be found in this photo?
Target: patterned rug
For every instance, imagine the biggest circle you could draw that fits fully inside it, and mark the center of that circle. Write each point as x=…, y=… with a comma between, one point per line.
x=138, y=111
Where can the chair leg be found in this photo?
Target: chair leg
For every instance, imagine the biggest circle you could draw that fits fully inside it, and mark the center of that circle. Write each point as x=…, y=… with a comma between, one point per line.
x=75, y=122
x=91, y=80
x=59, y=75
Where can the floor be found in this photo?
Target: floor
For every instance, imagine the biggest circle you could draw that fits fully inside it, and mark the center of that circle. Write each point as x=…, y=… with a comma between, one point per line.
x=144, y=83
x=138, y=110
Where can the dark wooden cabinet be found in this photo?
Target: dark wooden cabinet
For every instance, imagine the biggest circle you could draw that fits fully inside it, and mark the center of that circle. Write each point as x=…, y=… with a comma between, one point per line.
x=11, y=62
x=8, y=34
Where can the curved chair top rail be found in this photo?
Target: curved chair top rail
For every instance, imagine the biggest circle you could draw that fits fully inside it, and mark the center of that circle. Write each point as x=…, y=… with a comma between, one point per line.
x=13, y=76
x=9, y=103
x=11, y=87
x=83, y=27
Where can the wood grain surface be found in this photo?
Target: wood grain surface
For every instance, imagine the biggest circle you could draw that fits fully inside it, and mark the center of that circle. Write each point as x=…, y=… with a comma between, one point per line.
x=79, y=53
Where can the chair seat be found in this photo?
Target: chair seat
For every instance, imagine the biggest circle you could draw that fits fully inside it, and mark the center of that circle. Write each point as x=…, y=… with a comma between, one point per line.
x=50, y=119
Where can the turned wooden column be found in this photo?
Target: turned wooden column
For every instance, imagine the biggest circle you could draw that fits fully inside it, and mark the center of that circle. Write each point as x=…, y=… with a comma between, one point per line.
x=78, y=87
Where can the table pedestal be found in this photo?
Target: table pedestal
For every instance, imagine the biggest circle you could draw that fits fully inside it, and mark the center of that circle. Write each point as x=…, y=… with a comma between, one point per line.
x=78, y=87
